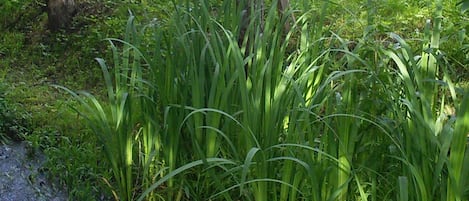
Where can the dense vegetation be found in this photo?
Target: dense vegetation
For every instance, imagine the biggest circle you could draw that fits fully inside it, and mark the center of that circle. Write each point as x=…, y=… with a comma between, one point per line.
x=359, y=100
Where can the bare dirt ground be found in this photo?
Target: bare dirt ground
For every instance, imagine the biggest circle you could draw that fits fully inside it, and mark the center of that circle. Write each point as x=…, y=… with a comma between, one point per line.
x=21, y=178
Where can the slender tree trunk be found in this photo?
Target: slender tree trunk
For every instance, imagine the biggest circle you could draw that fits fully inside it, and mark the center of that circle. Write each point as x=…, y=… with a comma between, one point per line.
x=283, y=6
x=252, y=16
x=60, y=13
x=246, y=7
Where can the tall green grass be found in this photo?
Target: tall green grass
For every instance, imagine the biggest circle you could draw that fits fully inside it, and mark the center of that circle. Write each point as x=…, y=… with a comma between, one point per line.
x=192, y=114
x=433, y=140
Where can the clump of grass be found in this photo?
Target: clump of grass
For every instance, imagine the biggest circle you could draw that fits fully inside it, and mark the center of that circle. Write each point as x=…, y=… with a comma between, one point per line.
x=432, y=139
x=205, y=117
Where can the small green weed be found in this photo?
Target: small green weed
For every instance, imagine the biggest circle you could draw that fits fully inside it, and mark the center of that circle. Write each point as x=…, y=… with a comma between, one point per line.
x=14, y=123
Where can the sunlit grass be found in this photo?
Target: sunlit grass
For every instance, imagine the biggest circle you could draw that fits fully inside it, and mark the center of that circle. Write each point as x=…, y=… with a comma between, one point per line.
x=201, y=116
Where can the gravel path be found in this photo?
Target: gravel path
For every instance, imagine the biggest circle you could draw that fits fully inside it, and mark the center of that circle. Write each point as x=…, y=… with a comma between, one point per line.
x=21, y=179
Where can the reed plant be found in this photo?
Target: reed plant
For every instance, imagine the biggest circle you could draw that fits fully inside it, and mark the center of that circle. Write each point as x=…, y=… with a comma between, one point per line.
x=433, y=138
x=258, y=105
x=117, y=120
x=194, y=113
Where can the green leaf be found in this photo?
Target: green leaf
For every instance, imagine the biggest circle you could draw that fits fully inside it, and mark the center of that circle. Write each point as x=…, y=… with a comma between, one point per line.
x=464, y=5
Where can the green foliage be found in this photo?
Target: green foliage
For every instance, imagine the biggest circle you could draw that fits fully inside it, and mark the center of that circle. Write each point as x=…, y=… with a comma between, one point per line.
x=428, y=133
x=464, y=5
x=9, y=12
x=74, y=160
x=11, y=45
x=31, y=58
x=14, y=123
x=336, y=109
x=74, y=163
x=116, y=126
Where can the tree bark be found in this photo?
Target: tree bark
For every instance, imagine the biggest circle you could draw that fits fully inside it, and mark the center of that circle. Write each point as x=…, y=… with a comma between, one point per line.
x=60, y=13
x=246, y=9
x=282, y=6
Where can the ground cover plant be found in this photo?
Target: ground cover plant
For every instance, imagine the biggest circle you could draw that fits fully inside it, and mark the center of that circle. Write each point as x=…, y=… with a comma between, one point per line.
x=14, y=123
x=194, y=113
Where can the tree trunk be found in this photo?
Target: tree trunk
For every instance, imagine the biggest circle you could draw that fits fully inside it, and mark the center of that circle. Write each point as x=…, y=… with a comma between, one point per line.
x=247, y=7
x=282, y=6
x=60, y=13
